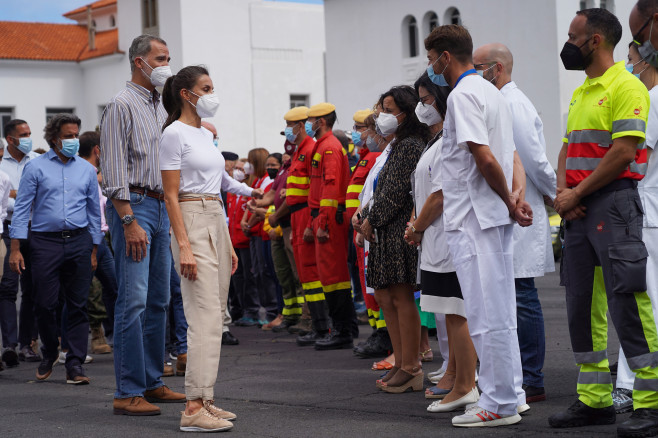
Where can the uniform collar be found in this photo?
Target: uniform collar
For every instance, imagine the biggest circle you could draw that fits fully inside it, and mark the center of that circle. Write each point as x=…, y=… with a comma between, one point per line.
x=608, y=77
x=143, y=92
x=511, y=85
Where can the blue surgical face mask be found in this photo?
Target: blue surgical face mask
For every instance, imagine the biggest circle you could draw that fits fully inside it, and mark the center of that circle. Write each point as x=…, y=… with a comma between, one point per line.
x=356, y=138
x=439, y=79
x=215, y=141
x=308, y=127
x=290, y=136
x=70, y=146
x=24, y=144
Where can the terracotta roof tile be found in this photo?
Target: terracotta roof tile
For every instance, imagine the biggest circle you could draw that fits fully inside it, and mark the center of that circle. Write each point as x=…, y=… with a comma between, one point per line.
x=95, y=5
x=53, y=42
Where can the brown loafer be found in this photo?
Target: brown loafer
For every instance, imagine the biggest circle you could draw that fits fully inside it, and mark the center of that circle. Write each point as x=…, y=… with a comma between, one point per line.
x=164, y=395
x=181, y=364
x=168, y=370
x=134, y=406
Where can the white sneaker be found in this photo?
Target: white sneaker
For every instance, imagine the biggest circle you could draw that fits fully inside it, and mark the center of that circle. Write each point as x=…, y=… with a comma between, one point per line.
x=62, y=358
x=479, y=417
x=521, y=409
x=441, y=406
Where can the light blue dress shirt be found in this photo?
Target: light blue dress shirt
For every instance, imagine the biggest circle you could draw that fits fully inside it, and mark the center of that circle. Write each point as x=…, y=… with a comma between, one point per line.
x=14, y=169
x=60, y=196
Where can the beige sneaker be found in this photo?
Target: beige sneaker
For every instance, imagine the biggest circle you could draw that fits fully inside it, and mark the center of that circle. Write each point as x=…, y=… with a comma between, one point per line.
x=203, y=421
x=217, y=412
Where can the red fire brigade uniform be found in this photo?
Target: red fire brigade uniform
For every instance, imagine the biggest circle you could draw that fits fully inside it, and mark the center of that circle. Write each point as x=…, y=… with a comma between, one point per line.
x=297, y=189
x=354, y=188
x=330, y=174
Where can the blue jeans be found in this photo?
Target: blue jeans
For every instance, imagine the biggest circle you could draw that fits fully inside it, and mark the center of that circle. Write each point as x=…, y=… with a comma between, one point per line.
x=106, y=274
x=179, y=322
x=142, y=299
x=530, y=330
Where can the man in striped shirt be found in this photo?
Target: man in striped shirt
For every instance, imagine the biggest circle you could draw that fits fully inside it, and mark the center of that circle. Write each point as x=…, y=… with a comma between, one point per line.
x=139, y=226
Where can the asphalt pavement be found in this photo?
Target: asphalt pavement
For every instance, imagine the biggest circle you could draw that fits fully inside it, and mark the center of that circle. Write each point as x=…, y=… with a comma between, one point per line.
x=278, y=389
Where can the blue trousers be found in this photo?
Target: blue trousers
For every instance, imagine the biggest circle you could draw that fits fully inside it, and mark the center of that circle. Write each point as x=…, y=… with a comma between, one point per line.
x=530, y=330
x=142, y=299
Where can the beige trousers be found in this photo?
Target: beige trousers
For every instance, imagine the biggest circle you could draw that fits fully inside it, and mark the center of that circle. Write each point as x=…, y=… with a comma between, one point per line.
x=204, y=299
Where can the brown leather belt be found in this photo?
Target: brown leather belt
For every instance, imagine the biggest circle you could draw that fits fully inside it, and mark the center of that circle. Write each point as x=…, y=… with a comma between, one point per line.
x=202, y=198
x=150, y=193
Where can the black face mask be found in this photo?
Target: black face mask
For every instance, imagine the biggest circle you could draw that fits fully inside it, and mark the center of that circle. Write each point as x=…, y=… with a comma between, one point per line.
x=573, y=58
x=272, y=173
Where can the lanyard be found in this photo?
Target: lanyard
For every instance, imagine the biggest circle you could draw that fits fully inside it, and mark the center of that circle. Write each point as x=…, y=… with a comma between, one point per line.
x=380, y=170
x=466, y=73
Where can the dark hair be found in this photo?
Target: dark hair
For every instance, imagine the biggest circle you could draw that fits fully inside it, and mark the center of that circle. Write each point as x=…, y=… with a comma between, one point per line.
x=371, y=122
x=647, y=7
x=278, y=157
x=88, y=140
x=54, y=126
x=330, y=119
x=141, y=46
x=603, y=22
x=10, y=127
x=406, y=99
x=451, y=38
x=185, y=79
x=440, y=94
x=343, y=139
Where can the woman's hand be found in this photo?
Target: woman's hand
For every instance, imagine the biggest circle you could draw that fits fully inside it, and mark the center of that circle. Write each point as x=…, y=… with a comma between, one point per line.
x=358, y=240
x=356, y=221
x=187, y=264
x=245, y=228
x=367, y=231
x=411, y=237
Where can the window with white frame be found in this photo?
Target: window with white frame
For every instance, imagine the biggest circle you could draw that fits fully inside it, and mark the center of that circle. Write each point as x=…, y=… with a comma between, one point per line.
x=50, y=112
x=6, y=114
x=150, y=17
x=409, y=37
x=298, y=100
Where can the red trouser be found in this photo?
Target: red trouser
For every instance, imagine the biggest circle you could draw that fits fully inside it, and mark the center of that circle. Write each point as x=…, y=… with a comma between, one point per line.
x=374, y=316
x=331, y=258
x=304, y=253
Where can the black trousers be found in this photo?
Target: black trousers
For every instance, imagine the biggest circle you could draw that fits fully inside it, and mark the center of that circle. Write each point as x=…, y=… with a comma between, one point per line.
x=62, y=266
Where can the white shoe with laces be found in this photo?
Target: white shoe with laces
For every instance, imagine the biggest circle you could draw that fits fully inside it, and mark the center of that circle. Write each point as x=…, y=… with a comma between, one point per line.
x=475, y=416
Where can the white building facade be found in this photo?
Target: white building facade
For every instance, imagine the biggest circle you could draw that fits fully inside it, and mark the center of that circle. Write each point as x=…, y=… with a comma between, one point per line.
x=263, y=57
x=375, y=44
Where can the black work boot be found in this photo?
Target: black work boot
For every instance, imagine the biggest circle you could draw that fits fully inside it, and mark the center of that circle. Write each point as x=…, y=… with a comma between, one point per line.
x=335, y=340
x=579, y=414
x=643, y=422
x=310, y=338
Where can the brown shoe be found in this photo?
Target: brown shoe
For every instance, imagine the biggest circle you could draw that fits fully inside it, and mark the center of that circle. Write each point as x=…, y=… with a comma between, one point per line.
x=276, y=321
x=134, y=406
x=98, y=342
x=168, y=370
x=181, y=364
x=203, y=421
x=217, y=412
x=164, y=395
x=303, y=327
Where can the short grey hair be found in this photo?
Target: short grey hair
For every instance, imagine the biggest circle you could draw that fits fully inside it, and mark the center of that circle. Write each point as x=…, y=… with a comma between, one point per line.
x=54, y=125
x=141, y=46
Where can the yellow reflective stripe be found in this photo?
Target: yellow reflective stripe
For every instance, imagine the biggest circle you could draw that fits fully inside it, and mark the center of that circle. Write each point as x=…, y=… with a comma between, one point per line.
x=337, y=286
x=293, y=300
x=352, y=203
x=295, y=311
x=296, y=192
x=372, y=322
x=355, y=188
x=381, y=323
x=298, y=180
x=312, y=285
x=311, y=298
x=328, y=203
x=344, y=151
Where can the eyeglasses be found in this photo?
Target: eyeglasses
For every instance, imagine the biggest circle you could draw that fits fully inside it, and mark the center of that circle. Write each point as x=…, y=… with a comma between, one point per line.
x=636, y=37
x=482, y=66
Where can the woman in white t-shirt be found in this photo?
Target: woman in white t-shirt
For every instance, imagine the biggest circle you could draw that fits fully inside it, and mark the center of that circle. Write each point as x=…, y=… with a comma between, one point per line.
x=193, y=175
x=439, y=284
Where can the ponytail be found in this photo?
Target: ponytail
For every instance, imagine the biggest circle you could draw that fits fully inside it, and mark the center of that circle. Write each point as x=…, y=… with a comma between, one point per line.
x=171, y=99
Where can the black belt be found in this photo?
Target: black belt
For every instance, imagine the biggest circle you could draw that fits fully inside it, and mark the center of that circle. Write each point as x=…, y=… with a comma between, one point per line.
x=315, y=212
x=297, y=207
x=65, y=234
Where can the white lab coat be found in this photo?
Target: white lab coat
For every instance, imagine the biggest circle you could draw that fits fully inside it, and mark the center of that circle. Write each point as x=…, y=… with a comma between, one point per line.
x=533, y=252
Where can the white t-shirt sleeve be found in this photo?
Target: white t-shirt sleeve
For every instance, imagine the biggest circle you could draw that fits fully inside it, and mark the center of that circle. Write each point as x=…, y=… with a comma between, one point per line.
x=652, y=124
x=233, y=186
x=171, y=149
x=468, y=112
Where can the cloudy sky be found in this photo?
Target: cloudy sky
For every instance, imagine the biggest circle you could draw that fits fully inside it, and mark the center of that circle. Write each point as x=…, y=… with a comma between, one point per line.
x=50, y=11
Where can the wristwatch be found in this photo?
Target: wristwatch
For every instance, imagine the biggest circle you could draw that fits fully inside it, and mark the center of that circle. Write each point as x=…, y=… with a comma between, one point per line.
x=128, y=219
x=413, y=229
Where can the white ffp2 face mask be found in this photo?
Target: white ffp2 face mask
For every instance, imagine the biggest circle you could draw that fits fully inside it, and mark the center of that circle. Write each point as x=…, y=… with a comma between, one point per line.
x=238, y=175
x=207, y=104
x=427, y=114
x=159, y=75
x=387, y=123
